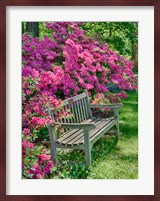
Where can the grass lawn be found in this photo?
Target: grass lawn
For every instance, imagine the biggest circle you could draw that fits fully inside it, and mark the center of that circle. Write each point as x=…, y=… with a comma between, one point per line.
x=122, y=161
x=111, y=160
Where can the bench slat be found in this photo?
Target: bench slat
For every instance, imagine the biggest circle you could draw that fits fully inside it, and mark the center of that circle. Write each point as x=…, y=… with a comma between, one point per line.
x=103, y=131
x=78, y=139
x=84, y=105
x=71, y=110
x=86, y=108
x=87, y=104
x=83, y=109
x=71, y=132
x=76, y=136
x=101, y=124
x=75, y=112
x=78, y=111
x=80, y=133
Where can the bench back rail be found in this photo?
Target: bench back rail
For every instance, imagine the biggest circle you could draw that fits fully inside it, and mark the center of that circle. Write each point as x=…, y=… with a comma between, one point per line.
x=78, y=106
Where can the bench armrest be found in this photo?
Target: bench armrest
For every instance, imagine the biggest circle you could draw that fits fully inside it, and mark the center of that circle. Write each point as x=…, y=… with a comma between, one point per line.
x=76, y=125
x=116, y=105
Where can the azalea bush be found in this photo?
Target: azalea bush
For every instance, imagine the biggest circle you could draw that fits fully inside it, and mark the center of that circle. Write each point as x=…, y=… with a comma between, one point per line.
x=59, y=67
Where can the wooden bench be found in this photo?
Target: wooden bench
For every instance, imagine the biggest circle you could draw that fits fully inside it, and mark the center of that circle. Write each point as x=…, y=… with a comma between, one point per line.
x=83, y=130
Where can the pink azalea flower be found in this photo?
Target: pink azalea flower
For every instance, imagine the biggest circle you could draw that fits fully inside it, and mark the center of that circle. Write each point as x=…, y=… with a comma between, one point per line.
x=26, y=131
x=39, y=176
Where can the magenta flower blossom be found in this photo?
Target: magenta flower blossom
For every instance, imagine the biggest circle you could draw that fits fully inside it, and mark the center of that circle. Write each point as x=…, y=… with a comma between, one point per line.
x=39, y=176
x=26, y=131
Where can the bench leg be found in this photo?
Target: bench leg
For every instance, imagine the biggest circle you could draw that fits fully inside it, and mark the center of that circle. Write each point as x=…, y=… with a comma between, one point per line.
x=88, y=157
x=54, y=153
x=117, y=122
x=87, y=147
x=52, y=144
x=117, y=130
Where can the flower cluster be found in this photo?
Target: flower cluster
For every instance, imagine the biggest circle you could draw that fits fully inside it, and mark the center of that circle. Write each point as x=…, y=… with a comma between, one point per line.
x=37, y=164
x=71, y=61
x=43, y=167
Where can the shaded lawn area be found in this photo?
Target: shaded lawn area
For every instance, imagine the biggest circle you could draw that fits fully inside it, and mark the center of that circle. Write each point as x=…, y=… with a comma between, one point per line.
x=110, y=160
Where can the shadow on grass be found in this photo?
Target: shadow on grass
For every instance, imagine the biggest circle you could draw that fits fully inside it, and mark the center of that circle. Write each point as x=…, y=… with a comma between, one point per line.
x=130, y=157
x=128, y=130
x=102, y=147
x=129, y=116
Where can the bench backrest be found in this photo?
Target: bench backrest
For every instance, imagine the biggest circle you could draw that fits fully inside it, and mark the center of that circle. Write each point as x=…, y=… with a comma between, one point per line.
x=79, y=107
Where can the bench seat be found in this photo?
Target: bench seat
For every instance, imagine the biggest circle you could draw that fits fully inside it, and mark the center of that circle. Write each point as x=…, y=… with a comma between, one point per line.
x=76, y=136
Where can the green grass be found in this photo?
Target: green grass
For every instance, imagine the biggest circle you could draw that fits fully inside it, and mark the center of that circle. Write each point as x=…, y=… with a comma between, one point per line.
x=110, y=160
x=122, y=161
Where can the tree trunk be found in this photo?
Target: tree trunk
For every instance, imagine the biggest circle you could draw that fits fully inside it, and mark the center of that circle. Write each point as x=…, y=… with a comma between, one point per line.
x=110, y=30
x=32, y=28
x=135, y=55
x=23, y=27
x=135, y=50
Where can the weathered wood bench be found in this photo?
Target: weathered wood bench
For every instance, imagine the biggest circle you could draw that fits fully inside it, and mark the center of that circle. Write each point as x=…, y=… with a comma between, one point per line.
x=83, y=130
